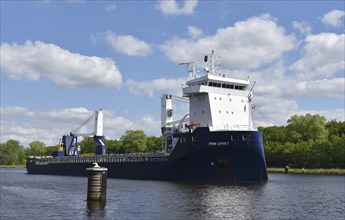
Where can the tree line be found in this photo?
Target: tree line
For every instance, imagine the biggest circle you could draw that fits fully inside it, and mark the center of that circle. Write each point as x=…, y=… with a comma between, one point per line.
x=307, y=141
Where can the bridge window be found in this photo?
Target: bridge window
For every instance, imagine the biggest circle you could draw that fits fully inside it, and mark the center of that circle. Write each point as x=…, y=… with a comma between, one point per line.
x=214, y=84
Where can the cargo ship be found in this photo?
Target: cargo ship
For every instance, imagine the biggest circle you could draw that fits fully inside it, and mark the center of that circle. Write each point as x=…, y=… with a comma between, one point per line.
x=215, y=141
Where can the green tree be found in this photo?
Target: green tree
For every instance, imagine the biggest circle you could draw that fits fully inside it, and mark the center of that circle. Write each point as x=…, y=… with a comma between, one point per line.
x=304, y=128
x=87, y=145
x=134, y=141
x=37, y=148
x=113, y=146
x=11, y=153
x=154, y=144
x=275, y=154
x=274, y=133
x=335, y=127
x=337, y=151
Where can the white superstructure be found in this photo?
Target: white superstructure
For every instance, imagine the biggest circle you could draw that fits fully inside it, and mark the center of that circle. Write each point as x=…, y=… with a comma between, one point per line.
x=215, y=101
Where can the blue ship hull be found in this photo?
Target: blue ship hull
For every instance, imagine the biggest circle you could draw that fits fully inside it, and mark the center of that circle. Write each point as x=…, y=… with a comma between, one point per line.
x=198, y=156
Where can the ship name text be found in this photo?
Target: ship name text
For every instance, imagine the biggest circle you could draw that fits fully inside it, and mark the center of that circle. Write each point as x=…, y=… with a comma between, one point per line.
x=222, y=143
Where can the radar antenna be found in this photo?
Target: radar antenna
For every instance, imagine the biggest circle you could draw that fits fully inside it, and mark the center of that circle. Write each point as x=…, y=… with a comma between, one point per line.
x=191, y=69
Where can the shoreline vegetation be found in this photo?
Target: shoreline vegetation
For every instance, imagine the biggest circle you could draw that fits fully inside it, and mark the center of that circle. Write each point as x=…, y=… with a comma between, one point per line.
x=317, y=171
x=321, y=171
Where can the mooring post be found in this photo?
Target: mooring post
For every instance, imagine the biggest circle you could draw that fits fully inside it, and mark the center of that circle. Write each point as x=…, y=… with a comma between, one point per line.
x=286, y=169
x=97, y=183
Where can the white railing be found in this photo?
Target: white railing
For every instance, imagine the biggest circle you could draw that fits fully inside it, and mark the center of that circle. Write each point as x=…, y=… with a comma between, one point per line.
x=208, y=89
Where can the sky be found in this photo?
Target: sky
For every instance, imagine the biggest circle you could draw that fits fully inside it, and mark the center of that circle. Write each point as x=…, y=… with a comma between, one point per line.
x=62, y=60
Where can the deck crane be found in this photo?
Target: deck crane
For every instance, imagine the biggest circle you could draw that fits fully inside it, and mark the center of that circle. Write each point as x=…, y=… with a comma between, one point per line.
x=69, y=141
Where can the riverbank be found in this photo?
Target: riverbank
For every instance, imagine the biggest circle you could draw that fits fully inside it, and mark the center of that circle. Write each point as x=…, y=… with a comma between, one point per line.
x=333, y=171
x=12, y=166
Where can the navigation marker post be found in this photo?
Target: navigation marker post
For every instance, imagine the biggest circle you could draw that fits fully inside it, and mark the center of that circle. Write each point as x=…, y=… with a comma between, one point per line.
x=96, y=187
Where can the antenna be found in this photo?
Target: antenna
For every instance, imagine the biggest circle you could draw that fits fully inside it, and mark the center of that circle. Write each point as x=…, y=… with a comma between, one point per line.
x=207, y=34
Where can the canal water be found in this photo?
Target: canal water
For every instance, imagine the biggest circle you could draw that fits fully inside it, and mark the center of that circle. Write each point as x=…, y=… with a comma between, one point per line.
x=284, y=196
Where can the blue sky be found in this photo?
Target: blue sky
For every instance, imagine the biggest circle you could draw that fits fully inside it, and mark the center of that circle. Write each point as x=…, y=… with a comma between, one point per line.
x=61, y=60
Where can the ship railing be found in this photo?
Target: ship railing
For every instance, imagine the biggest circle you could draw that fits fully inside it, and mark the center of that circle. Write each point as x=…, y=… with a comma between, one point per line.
x=136, y=157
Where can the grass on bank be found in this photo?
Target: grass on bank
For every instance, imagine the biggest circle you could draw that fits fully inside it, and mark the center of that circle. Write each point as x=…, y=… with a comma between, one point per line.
x=13, y=166
x=333, y=171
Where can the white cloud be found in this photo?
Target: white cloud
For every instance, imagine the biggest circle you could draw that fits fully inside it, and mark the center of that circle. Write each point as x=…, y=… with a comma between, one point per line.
x=110, y=7
x=273, y=110
x=194, y=32
x=333, y=18
x=302, y=26
x=149, y=88
x=34, y=60
x=172, y=7
x=246, y=45
x=277, y=91
x=275, y=105
x=331, y=114
x=127, y=44
x=326, y=87
x=323, y=56
x=49, y=125
x=45, y=125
